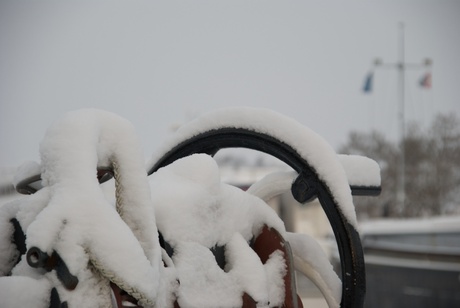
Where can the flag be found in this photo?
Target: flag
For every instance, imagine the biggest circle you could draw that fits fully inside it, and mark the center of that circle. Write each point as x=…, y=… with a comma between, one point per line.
x=368, y=83
x=425, y=81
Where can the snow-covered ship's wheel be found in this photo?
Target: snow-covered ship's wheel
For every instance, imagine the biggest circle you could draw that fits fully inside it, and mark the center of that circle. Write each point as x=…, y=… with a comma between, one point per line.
x=208, y=135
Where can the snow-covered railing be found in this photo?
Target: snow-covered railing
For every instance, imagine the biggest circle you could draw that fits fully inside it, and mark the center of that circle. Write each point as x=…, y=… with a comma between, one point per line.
x=180, y=237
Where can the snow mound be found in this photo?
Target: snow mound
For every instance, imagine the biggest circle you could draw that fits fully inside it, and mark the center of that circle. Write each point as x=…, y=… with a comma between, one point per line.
x=195, y=213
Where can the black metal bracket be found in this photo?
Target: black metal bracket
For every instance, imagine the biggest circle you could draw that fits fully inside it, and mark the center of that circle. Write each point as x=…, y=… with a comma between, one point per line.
x=39, y=259
x=55, y=300
x=19, y=238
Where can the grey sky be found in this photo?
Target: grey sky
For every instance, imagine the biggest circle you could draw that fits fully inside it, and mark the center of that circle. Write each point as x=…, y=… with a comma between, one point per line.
x=162, y=63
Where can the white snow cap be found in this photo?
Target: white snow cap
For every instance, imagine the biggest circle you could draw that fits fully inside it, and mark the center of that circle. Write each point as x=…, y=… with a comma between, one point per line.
x=360, y=170
x=17, y=291
x=309, y=145
x=191, y=204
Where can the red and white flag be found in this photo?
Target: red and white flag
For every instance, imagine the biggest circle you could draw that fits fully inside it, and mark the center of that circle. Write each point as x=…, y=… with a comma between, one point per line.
x=425, y=81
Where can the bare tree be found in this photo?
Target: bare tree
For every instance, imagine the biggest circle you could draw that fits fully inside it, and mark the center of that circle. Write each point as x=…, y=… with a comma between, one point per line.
x=432, y=171
x=444, y=149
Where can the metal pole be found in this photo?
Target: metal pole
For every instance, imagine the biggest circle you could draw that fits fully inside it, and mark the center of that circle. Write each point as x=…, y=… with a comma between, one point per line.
x=401, y=67
x=401, y=84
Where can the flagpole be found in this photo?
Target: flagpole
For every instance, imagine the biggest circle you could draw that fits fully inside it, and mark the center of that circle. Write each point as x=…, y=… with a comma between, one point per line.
x=401, y=67
x=401, y=192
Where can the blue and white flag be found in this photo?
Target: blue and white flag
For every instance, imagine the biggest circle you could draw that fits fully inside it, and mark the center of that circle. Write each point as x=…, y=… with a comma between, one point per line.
x=368, y=82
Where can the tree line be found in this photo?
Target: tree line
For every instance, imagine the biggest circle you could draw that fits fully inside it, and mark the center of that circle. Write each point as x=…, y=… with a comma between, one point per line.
x=432, y=169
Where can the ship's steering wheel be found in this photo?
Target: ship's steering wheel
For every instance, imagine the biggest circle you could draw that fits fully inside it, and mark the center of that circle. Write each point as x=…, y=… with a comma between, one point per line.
x=306, y=187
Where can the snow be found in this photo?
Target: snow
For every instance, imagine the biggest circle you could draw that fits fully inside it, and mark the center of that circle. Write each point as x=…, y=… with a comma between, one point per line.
x=184, y=203
x=360, y=170
x=25, y=210
x=20, y=291
x=308, y=144
x=191, y=204
x=114, y=226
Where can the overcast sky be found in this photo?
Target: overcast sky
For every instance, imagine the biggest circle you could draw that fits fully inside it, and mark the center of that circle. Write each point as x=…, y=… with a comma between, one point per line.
x=163, y=63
